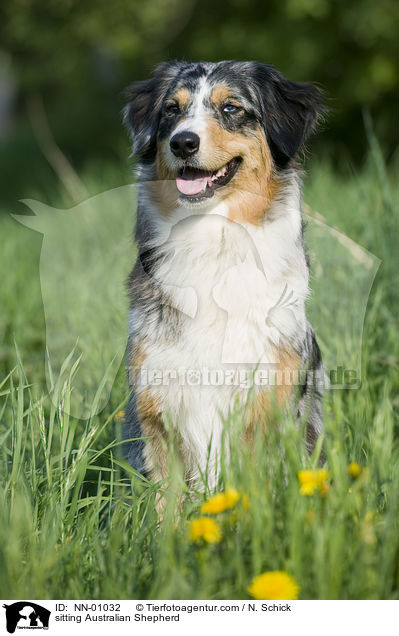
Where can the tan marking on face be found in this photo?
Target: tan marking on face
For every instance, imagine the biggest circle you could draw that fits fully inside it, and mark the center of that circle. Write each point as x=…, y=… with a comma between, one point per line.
x=254, y=186
x=267, y=402
x=219, y=94
x=182, y=96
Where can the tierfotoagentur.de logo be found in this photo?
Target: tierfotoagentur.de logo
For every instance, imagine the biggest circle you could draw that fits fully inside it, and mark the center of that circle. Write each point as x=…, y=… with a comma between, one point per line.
x=26, y=615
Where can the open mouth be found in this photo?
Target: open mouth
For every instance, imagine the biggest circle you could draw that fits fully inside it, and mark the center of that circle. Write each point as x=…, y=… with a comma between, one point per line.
x=196, y=184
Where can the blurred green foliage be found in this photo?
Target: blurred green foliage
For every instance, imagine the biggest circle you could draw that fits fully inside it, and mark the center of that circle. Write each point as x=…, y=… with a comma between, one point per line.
x=80, y=55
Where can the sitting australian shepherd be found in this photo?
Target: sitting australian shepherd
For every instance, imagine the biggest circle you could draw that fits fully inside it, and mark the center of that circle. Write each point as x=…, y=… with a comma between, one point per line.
x=219, y=287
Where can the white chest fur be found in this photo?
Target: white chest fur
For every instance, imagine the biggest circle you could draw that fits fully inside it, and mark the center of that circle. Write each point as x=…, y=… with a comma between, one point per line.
x=241, y=289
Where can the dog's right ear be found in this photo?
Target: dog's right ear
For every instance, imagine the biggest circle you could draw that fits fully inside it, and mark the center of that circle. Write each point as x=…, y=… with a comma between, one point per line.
x=142, y=113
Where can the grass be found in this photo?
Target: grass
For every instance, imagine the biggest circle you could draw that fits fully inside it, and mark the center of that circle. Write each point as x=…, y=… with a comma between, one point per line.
x=76, y=522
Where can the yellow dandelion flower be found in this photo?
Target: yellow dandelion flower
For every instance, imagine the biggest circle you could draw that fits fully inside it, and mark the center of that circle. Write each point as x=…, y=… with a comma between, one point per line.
x=206, y=529
x=308, y=488
x=220, y=502
x=313, y=480
x=354, y=470
x=119, y=416
x=274, y=586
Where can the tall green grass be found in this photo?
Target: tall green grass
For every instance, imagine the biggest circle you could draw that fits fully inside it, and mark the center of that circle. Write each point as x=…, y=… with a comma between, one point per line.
x=76, y=522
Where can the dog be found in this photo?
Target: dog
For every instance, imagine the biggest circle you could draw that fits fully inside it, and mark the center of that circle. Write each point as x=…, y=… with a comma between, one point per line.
x=219, y=287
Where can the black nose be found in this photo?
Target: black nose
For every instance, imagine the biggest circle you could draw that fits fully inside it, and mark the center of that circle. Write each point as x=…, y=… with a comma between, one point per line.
x=184, y=144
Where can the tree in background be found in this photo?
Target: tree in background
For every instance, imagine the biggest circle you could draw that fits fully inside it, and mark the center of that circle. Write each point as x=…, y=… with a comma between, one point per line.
x=79, y=56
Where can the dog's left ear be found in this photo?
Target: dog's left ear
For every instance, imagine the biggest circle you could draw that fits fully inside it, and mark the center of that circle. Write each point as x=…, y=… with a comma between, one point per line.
x=142, y=113
x=291, y=111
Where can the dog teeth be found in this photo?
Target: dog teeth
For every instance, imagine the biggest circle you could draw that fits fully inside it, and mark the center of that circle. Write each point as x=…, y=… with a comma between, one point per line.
x=216, y=175
x=220, y=173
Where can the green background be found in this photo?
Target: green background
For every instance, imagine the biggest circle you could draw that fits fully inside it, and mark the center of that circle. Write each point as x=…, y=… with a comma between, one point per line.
x=77, y=57
x=75, y=521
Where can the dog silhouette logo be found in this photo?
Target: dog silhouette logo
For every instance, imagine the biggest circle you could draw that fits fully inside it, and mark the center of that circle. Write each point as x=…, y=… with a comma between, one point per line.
x=26, y=615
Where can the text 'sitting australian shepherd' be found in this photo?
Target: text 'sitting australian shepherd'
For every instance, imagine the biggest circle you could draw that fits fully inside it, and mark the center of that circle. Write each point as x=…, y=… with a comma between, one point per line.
x=221, y=280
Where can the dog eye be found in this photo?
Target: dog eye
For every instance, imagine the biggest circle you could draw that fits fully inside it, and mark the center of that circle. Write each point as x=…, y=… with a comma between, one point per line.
x=172, y=108
x=230, y=108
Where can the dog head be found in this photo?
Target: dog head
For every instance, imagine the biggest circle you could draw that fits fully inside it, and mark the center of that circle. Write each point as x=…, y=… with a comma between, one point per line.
x=219, y=131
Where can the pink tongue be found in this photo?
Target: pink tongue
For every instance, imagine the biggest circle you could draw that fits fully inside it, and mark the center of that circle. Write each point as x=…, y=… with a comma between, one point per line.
x=191, y=186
